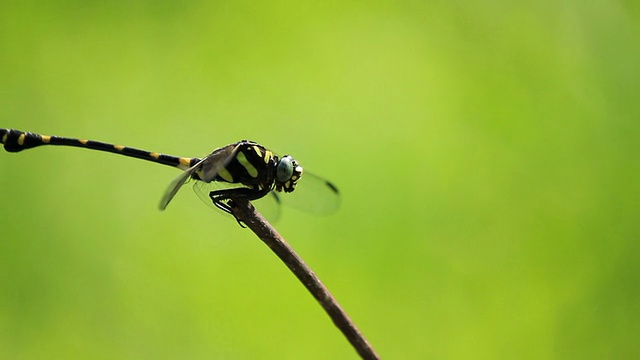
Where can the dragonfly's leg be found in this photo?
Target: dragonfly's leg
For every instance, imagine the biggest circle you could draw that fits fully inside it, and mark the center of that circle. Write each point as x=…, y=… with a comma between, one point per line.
x=221, y=199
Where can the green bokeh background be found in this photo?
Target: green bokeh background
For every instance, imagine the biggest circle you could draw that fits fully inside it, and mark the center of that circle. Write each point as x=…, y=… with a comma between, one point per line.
x=487, y=155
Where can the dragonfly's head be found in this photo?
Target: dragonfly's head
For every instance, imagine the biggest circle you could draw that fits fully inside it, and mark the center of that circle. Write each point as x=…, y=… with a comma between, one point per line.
x=288, y=172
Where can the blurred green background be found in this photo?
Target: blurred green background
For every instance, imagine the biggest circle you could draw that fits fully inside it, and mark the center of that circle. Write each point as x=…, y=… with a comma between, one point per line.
x=486, y=152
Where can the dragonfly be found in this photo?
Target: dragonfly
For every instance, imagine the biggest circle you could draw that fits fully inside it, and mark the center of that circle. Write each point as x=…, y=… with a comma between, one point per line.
x=243, y=169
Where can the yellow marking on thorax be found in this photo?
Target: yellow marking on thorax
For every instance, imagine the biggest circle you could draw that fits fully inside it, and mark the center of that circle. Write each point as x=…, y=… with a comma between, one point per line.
x=83, y=141
x=258, y=151
x=154, y=155
x=242, y=159
x=46, y=139
x=118, y=147
x=21, y=139
x=5, y=137
x=268, y=155
x=225, y=174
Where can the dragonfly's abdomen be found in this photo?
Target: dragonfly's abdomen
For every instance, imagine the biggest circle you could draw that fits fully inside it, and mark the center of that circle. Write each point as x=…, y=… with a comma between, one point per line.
x=16, y=140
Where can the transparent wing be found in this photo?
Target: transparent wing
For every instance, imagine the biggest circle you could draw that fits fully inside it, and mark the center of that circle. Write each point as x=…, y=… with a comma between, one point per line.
x=176, y=184
x=218, y=159
x=268, y=206
x=208, y=167
x=313, y=194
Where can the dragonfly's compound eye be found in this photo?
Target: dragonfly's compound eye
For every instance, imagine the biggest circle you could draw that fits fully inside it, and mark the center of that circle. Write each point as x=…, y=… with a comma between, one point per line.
x=288, y=172
x=284, y=171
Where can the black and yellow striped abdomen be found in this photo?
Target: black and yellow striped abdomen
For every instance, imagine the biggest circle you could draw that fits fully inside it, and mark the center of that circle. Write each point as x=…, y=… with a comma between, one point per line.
x=16, y=140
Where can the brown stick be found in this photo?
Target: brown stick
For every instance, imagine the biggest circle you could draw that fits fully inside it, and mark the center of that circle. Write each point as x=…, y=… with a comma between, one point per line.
x=245, y=212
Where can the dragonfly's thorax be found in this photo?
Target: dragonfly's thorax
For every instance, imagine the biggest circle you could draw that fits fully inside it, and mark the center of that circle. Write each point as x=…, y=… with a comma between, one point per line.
x=253, y=166
x=250, y=165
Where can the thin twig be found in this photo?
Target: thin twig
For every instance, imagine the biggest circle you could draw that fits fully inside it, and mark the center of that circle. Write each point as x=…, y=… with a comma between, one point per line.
x=245, y=212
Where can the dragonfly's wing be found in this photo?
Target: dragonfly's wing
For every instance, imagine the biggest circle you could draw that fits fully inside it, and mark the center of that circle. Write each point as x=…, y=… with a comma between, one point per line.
x=269, y=206
x=207, y=169
x=215, y=161
x=177, y=183
x=314, y=195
